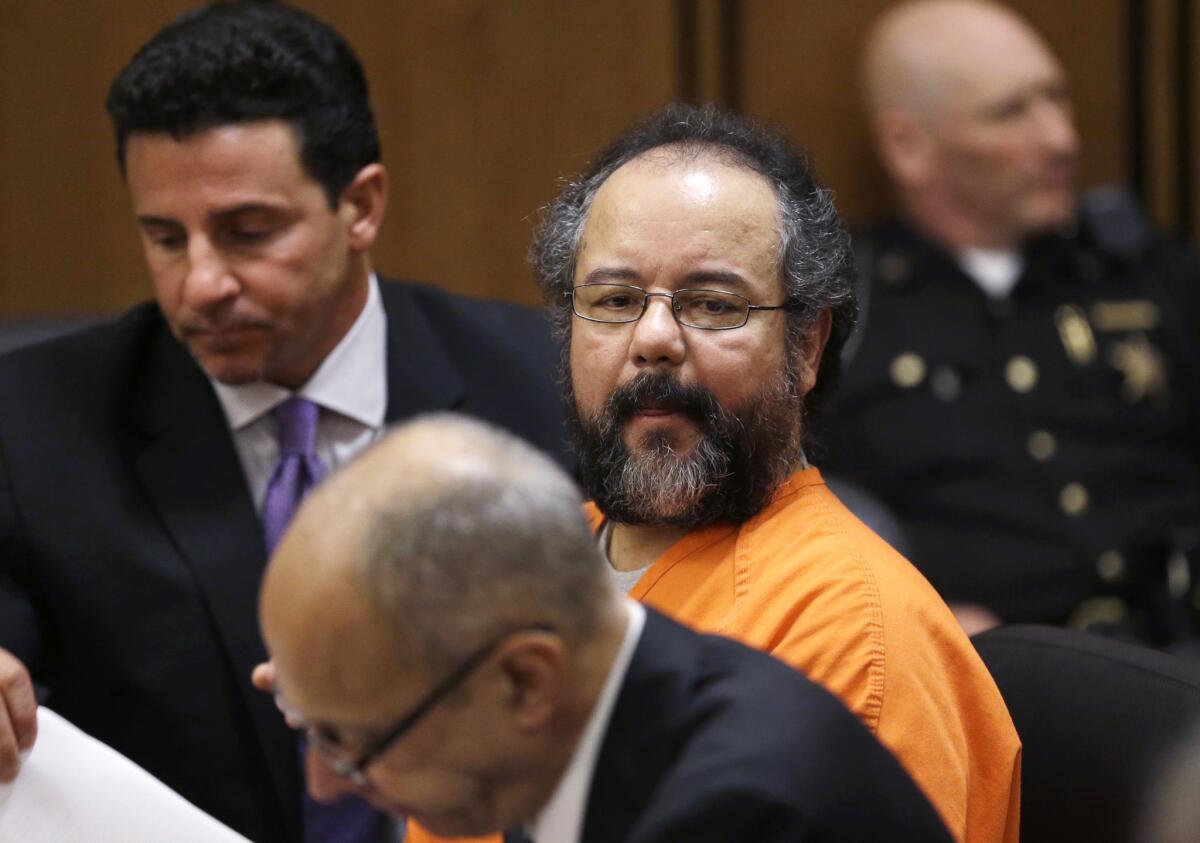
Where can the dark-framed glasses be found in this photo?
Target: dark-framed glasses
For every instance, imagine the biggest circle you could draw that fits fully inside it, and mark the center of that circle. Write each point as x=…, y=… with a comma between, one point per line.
x=710, y=310
x=352, y=765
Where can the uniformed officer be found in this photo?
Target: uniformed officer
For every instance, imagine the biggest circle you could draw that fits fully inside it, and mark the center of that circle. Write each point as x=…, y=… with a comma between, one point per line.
x=1022, y=391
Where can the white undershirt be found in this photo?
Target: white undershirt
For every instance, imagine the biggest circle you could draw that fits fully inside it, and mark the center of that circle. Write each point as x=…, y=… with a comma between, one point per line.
x=561, y=820
x=350, y=386
x=995, y=271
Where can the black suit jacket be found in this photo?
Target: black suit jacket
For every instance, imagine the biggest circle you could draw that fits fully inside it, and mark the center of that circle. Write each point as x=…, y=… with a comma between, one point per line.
x=131, y=553
x=713, y=742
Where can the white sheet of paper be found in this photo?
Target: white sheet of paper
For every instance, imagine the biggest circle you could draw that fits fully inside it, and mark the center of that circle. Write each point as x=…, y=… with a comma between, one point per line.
x=73, y=788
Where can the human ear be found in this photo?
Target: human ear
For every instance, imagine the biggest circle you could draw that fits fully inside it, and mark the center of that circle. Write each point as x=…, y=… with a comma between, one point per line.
x=905, y=146
x=362, y=205
x=533, y=665
x=813, y=348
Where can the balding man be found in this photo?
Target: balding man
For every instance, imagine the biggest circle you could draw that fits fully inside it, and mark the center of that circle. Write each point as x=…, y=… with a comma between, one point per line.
x=1023, y=391
x=442, y=625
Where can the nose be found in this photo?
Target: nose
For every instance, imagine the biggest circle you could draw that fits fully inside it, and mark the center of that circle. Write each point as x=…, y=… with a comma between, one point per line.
x=324, y=784
x=657, y=338
x=209, y=280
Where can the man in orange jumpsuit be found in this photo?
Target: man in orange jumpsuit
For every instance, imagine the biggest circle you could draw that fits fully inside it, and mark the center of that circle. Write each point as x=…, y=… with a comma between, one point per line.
x=702, y=284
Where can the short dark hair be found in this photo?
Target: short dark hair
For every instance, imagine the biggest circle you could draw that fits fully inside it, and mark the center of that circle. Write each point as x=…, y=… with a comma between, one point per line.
x=237, y=62
x=815, y=263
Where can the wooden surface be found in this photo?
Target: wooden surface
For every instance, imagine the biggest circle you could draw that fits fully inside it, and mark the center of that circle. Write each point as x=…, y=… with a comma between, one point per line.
x=483, y=105
x=799, y=71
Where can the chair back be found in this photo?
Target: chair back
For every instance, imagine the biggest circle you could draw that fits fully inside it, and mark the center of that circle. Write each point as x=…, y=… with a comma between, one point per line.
x=1098, y=718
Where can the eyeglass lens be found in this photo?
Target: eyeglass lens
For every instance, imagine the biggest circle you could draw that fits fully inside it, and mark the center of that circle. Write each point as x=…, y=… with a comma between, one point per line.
x=710, y=309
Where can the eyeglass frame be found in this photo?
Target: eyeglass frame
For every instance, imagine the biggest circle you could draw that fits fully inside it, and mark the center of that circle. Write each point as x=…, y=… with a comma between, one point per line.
x=354, y=769
x=647, y=295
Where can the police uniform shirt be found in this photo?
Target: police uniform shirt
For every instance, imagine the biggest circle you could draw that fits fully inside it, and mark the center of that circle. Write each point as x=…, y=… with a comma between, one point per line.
x=1040, y=447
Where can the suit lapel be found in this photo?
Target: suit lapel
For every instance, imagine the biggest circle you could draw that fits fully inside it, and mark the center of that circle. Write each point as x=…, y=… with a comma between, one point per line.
x=640, y=742
x=193, y=477
x=421, y=375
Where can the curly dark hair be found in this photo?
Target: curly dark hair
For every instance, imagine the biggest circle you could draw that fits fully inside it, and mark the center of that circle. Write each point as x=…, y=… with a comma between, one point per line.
x=238, y=62
x=816, y=264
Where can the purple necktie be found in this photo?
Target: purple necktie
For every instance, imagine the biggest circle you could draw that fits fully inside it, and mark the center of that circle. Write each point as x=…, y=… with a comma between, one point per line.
x=349, y=820
x=299, y=468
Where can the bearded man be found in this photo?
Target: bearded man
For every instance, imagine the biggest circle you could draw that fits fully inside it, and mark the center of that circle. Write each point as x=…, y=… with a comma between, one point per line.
x=702, y=286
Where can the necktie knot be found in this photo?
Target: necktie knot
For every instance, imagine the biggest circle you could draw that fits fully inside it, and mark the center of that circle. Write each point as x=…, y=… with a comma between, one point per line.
x=297, y=426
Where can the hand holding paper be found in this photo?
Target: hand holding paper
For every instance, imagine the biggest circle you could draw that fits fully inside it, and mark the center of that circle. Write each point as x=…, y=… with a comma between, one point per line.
x=18, y=713
x=71, y=787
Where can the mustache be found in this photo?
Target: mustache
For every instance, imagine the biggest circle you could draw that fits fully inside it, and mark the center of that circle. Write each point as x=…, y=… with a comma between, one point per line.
x=661, y=391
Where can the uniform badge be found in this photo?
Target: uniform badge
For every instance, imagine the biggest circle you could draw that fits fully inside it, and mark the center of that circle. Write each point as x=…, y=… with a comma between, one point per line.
x=1142, y=366
x=1076, y=334
x=1134, y=315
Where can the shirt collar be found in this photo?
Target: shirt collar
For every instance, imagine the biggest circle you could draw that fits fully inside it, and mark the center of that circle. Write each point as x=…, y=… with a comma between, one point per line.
x=562, y=817
x=351, y=380
x=995, y=271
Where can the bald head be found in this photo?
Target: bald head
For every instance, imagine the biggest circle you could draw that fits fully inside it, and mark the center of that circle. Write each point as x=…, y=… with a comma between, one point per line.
x=970, y=113
x=920, y=54
x=442, y=534
x=438, y=613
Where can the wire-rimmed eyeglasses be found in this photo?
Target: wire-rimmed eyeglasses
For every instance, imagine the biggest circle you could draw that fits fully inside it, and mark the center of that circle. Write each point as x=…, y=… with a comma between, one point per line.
x=710, y=310
x=353, y=766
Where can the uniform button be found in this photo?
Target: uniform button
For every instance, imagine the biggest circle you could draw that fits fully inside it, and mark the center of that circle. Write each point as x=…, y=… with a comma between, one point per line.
x=1042, y=445
x=945, y=383
x=908, y=370
x=892, y=268
x=1073, y=499
x=1021, y=373
x=1110, y=565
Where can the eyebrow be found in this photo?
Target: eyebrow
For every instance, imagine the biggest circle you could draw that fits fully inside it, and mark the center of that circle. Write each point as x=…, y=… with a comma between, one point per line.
x=149, y=220
x=220, y=215
x=605, y=274
x=718, y=277
x=700, y=279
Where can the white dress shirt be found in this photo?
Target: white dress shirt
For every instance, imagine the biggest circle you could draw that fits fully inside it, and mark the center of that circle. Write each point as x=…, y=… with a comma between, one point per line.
x=561, y=820
x=995, y=271
x=350, y=386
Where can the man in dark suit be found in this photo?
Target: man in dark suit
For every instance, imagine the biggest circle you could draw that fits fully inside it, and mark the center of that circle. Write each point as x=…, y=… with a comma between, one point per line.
x=137, y=459
x=448, y=636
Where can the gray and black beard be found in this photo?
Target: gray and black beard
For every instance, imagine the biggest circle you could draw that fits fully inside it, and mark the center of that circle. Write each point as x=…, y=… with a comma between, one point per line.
x=728, y=477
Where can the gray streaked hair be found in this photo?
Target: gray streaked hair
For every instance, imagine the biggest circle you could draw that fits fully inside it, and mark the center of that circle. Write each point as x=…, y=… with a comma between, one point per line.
x=816, y=264
x=478, y=533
